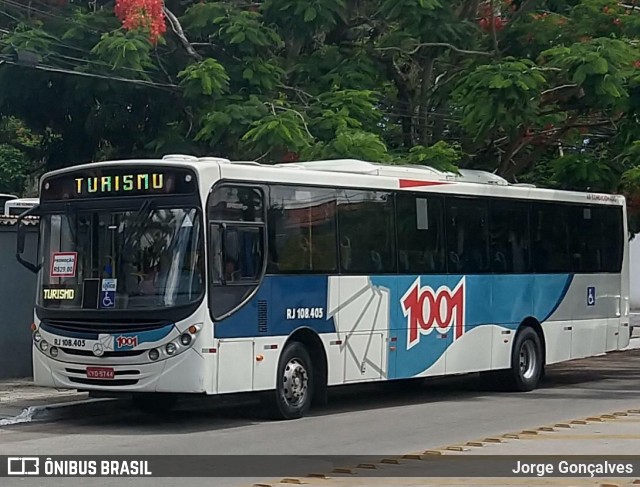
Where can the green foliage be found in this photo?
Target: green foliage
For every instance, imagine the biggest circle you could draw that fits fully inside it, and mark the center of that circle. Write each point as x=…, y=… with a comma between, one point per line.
x=600, y=67
x=286, y=129
x=19, y=149
x=441, y=156
x=245, y=30
x=630, y=181
x=14, y=170
x=350, y=144
x=546, y=92
x=499, y=97
x=319, y=14
x=130, y=50
x=207, y=77
x=583, y=171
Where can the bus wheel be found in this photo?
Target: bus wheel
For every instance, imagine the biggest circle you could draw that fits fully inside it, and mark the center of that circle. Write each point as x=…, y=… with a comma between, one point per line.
x=294, y=387
x=153, y=403
x=527, y=361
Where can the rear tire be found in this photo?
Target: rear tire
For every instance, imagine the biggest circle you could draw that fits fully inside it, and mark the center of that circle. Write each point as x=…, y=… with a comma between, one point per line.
x=527, y=362
x=154, y=403
x=294, y=384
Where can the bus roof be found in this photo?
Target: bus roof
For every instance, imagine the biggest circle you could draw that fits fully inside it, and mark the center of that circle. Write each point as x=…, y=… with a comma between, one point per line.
x=354, y=173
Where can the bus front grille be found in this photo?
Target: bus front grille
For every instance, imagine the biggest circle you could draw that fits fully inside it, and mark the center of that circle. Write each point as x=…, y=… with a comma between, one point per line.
x=99, y=326
x=89, y=353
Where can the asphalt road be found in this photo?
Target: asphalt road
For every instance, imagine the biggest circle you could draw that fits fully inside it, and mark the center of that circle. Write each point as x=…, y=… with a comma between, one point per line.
x=376, y=420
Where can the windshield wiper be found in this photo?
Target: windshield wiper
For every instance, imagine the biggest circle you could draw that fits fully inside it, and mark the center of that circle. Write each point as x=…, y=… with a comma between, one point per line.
x=133, y=230
x=69, y=214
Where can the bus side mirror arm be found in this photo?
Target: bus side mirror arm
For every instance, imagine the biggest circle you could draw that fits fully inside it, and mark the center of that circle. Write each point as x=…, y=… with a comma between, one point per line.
x=21, y=240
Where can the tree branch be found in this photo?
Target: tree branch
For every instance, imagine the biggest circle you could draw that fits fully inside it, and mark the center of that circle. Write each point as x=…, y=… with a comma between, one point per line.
x=179, y=32
x=494, y=34
x=557, y=88
x=302, y=95
x=437, y=44
x=527, y=6
x=304, y=122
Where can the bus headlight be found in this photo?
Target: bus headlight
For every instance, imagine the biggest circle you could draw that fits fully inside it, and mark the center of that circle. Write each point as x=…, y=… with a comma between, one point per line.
x=53, y=351
x=37, y=337
x=44, y=346
x=185, y=339
x=154, y=354
x=171, y=348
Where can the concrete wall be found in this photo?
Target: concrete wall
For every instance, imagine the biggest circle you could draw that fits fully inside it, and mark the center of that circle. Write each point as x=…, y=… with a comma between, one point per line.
x=17, y=297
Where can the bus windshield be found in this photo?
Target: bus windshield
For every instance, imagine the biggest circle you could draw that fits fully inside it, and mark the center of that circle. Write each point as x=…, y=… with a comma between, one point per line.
x=143, y=258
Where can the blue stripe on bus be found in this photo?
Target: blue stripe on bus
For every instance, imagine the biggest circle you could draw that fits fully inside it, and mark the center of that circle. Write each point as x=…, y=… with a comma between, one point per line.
x=281, y=294
x=490, y=299
x=503, y=300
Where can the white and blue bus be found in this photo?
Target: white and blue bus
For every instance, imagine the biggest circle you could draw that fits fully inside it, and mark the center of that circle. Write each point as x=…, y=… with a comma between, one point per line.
x=187, y=275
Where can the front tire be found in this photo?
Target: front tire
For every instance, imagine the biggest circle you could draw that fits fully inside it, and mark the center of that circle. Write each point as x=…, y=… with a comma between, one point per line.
x=527, y=362
x=294, y=385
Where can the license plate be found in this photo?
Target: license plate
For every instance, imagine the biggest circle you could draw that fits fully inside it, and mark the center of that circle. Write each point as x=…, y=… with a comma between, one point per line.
x=105, y=373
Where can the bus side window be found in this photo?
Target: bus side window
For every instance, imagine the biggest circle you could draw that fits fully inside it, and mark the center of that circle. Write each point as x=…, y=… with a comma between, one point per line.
x=468, y=235
x=510, y=240
x=550, y=236
x=237, y=240
x=302, y=230
x=367, y=231
x=420, y=233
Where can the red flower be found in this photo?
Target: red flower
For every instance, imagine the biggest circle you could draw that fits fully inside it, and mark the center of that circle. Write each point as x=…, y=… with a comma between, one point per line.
x=142, y=14
x=636, y=64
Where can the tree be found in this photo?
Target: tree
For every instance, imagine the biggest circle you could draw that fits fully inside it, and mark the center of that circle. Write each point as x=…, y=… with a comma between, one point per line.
x=543, y=91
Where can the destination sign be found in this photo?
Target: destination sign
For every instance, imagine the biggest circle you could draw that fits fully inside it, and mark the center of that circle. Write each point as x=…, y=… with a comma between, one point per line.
x=117, y=182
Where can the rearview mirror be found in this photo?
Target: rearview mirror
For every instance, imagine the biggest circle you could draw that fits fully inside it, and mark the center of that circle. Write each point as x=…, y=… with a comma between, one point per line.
x=22, y=238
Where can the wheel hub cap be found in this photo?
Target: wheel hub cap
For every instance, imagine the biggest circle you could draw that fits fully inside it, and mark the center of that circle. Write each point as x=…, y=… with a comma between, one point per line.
x=528, y=360
x=295, y=382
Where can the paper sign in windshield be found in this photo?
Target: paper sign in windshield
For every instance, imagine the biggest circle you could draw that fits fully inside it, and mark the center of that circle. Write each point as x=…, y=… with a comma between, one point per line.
x=63, y=264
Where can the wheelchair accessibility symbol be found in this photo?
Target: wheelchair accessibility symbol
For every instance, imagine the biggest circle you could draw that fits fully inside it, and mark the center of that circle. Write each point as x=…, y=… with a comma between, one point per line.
x=591, y=296
x=107, y=302
x=108, y=293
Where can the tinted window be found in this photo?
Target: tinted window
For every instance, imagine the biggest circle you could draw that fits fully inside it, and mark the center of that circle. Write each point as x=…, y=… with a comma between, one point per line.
x=420, y=228
x=550, y=237
x=365, y=221
x=613, y=244
x=237, y=242
x=236, y=203
x=510, y=242
x=238, y=252
x=467, y=235
x=597, y=239
x=302, y=229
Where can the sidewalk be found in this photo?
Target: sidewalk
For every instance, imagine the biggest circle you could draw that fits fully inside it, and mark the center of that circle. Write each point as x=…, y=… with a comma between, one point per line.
x=20, y=398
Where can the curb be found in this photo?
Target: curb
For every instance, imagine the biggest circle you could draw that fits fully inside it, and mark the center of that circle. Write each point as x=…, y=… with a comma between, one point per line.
x=87, y=407
x=65, y=410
